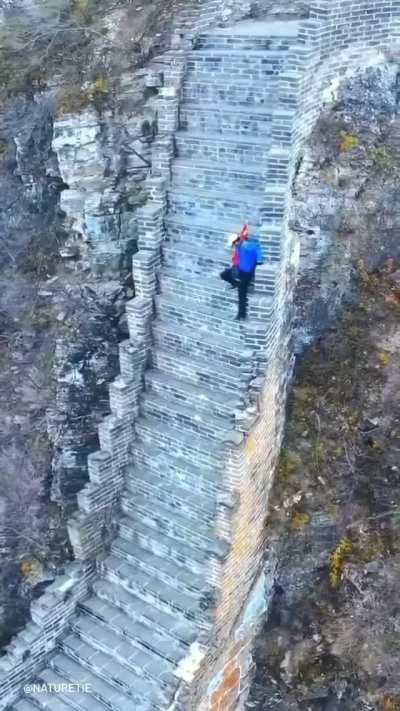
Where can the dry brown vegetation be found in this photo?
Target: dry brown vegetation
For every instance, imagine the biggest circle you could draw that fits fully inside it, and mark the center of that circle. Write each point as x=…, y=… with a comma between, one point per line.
x=336, y=633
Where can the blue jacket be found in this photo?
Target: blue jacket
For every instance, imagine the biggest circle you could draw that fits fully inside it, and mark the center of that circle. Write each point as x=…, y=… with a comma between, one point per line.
x=250, y=254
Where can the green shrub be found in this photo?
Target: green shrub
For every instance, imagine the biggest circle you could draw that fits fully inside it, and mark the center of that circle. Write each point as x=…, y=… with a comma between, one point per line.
x=383, y=159
x=83, y=12
x=348, y=142
x=74, y=99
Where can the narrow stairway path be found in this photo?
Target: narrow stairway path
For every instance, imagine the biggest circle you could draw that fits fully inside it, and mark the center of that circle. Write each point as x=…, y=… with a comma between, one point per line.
x=149, y=601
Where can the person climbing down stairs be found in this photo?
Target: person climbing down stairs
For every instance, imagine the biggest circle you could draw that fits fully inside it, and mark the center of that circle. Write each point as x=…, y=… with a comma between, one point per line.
x=247, y=255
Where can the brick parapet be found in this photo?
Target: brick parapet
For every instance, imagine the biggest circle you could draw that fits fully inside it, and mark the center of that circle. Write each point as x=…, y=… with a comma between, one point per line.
x=92, y=526
x=28, y=650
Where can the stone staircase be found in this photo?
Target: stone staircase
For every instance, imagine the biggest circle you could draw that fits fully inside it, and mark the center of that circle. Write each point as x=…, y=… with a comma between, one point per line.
x=148, y=605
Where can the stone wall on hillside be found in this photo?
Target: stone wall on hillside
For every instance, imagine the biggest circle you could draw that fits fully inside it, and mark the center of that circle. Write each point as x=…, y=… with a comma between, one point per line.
x=337, y=40
x=221, y=678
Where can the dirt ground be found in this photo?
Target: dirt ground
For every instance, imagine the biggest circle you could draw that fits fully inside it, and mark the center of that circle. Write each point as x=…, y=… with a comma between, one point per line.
x=332, y=642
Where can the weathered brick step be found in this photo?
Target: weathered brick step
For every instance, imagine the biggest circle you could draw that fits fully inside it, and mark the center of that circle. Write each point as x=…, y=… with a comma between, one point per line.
x=186, y=417
x=216, y=205
x=207, y=259
x=163, y=569
x=191, y=230
x=183, y=471
x=107, y=692
x=201, y=342
x=199, y=306
x=206, y=56
x=141, y=662
x=186, y=269
x=289, y=93
x=149, y=481
x=25, y=705
x=247, y=42
x=106, y=666
x=183, y=312
x=52, y=701
x=221, y=65
x=154, y=541
x=253, y=95
x=171, y=626
x=138, y=634
x=202, y=233
x=187, y=313
x=201, y=398
x=187, y=445
x=263, y=79
x=212, y=147
x=225, y=120
x=78, y=699
x=207, y=175
x=232, y=379
x=150, y=589
x=165, y=518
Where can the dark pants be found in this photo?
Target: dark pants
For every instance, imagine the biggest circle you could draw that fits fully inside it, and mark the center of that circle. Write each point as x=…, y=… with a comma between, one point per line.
x=242, y=281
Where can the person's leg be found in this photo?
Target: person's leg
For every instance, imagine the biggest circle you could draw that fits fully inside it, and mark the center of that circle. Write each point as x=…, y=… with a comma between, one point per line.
x=227, y=275
x=244, y=281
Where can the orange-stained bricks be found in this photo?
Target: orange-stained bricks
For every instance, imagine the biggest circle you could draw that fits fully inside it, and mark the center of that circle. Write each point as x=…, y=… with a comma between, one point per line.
x=228, y=703
x=228, y=683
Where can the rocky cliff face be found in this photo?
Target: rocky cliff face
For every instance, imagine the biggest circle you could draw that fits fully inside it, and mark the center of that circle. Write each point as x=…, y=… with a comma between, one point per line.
x=344, y=195
x=75, y=143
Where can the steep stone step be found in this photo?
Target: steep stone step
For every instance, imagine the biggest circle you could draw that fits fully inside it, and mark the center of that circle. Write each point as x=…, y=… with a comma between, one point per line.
x=75, y=699
x=183, y=229
x=207, y=207
x=289, y=81
x=252, y=332
x=187, y=261
x=192, y=446
x=185, y=416
x=197, y=370
x=187, y=310
x=201, y=343
x=150, y=589
x=283, y=127
x=253, y=95
x=226, y=121
x=154, y=541
x=110, y=668
x=238, y=151
x=184, y=471
x=150, y=482
x=222, y=65
x=24, y=705
x=135, y=663
x=48, y=700
x=170, y=626
x=209, y=175
x=202, y=399
x=165, y=570
x=141, y=636
x=164, y=518
x=277, y=36
x=108, y=693
x=273, y=208
x=187, y=313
